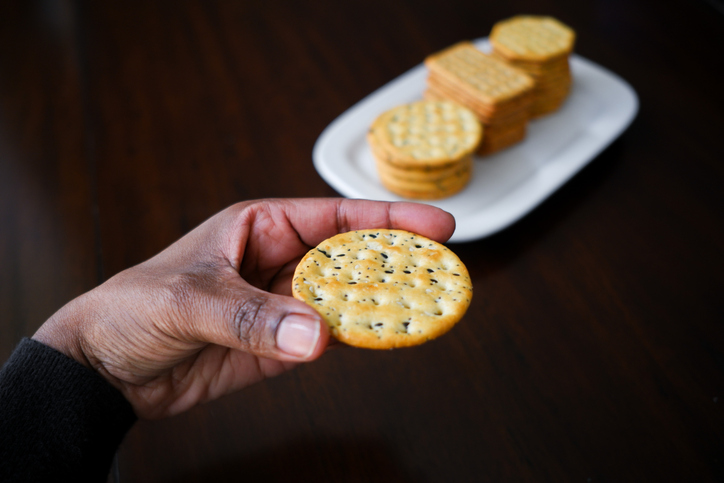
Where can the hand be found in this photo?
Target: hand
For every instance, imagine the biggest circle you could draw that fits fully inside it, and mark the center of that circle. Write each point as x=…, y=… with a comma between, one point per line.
x=212, y=313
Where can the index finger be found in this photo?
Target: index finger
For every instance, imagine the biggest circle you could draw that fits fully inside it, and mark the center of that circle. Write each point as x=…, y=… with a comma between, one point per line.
x=318, y=219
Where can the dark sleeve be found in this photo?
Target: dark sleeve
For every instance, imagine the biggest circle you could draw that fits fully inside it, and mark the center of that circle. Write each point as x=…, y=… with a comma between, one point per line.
x=59, y=421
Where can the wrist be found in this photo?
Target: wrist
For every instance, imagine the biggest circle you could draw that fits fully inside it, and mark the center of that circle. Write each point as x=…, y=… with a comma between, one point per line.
x=63, y=332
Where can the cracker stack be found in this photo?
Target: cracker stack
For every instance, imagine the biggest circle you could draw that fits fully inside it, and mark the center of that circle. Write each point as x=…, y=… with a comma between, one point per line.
x=540, y=46
x=423, y=150
x=500, y=95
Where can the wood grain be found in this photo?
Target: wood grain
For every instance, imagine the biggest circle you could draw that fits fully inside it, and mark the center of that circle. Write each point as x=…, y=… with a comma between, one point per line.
x=48, y=250
x=594, y=347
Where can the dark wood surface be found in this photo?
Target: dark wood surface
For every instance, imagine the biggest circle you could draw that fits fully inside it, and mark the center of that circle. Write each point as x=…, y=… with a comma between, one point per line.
x=594, y=348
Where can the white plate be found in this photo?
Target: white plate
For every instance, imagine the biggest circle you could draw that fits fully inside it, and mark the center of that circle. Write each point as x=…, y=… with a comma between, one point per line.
x=507, y=185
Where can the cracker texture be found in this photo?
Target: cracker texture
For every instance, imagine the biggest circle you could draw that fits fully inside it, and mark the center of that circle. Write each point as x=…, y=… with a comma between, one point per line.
x=540, y=46
x=424, y=149
x=426, y=134
x=532, y=38
x=382, y=289
x=498, y=93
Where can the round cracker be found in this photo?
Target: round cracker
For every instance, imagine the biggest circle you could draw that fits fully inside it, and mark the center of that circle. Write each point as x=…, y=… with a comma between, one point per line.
x=382, y=288
x=427, y=190
x=426, y=134
x=421, y=175
x=532, y=38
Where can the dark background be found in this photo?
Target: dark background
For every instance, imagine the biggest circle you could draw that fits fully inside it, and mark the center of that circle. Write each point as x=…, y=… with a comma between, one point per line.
x=593, y=350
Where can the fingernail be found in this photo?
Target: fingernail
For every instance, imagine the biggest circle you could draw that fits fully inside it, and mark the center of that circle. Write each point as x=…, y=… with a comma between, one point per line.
x=297, y=335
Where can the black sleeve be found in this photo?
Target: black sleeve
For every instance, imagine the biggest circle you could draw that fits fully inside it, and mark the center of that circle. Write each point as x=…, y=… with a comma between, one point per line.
x=59, y=421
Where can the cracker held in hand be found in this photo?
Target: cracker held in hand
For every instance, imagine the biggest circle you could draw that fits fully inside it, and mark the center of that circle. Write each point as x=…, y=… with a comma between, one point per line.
x=383, y=289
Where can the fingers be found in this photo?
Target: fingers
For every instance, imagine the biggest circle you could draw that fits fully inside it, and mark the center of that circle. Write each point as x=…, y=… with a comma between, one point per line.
x=425, y=220
x=264, y=324
x=260, y=240
x=277, y=226
x=317, y=219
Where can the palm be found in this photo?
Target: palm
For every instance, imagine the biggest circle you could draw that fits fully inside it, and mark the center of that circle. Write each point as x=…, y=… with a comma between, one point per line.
x=199, y=373
x=206, y=375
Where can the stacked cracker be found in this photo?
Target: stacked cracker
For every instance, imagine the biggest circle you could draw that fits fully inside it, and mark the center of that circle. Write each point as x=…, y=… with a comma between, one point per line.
x=499, y=94
x=540, y=46
x=424, y=149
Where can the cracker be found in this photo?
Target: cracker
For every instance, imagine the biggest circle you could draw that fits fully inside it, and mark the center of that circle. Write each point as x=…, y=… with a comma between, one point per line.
x=498, y=136
x=416, y=194
x=502, y=140
x=498, y=93
x=382, y=288
x=532, y=38
x=437, y=89
x=390, y=170
x=427, y=190
x=482, y=76
x=540, y=46
x=425, y=134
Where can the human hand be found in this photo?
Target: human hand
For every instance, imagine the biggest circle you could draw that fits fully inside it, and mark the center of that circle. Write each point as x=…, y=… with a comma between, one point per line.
x=212, y=313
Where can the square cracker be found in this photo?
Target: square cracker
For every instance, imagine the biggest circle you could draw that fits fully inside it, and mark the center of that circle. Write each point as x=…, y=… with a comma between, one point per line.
x=482, y=77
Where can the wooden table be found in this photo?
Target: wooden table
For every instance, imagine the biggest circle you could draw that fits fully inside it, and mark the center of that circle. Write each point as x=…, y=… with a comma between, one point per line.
x=594, y=347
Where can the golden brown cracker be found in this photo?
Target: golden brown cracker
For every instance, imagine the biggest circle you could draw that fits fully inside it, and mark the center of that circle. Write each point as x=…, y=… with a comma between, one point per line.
x=383, y=288
x=425, y=134
x=532, y=38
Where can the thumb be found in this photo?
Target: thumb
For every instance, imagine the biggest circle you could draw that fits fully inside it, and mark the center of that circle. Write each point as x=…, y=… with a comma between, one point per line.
x=268, y=325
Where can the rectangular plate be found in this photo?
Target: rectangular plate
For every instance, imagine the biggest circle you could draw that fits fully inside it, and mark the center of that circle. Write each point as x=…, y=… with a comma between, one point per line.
x=507, y=185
